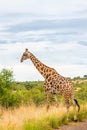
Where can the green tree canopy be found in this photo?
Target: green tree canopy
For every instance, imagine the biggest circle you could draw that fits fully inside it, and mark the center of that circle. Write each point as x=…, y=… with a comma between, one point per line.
x=7, y=75
x=85, y=76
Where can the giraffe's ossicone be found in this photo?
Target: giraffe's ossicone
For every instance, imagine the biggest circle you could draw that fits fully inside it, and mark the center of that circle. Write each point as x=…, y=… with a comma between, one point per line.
x=54, y=83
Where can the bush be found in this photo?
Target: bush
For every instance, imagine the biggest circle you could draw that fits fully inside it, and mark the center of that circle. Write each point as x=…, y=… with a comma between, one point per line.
x=10, y=99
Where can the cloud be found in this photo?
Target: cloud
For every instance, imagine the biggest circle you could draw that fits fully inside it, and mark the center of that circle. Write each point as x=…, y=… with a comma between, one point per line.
x=65, y=58
x=55, y=31
x=72, y=70
x=57, y=24
x=25, y=72
x=56, y=7
x=16, y=28
x=84, y=43
x=44, y=29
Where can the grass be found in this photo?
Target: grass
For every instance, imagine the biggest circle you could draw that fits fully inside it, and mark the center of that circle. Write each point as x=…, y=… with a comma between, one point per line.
x=37, y=118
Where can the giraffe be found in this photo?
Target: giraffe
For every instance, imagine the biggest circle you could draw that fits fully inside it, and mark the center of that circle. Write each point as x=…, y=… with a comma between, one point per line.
x=54, y=83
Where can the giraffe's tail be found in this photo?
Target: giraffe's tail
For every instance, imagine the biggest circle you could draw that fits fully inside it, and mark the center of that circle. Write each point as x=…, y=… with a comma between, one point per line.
x=77, y=104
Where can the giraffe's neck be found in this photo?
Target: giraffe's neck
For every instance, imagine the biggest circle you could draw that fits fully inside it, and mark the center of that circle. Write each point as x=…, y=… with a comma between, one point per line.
x=42, y=68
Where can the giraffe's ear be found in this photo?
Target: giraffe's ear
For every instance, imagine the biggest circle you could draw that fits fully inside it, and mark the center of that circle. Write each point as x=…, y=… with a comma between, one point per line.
x=26, y=50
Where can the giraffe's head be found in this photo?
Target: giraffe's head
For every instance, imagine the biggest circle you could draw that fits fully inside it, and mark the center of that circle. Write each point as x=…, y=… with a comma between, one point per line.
x=25, y=56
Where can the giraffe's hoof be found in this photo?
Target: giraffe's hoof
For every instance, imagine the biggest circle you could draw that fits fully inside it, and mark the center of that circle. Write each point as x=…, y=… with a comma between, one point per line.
x=75, y=120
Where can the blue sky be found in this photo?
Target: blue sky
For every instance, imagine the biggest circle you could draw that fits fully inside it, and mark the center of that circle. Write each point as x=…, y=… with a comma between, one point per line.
x=54, y=30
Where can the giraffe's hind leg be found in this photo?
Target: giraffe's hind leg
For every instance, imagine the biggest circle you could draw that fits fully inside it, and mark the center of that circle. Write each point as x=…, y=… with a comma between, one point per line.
x=67, y=107
x=74, y=107
x=56, y=100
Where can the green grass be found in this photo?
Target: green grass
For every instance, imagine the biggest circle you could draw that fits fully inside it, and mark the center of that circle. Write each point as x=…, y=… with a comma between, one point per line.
x=36, y=125
x=56, y=122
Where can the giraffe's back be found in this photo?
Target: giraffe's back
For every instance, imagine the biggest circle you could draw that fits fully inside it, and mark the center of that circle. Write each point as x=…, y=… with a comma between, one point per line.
x=59, y=84
x=65, y=87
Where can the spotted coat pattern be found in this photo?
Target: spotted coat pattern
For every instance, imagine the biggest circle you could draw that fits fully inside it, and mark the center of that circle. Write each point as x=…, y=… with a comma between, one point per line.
x=54, y=82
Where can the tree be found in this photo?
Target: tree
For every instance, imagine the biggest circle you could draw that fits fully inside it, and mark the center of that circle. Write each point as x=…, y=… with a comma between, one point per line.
x=6, y=80
x=85, y=76
x=7, y=77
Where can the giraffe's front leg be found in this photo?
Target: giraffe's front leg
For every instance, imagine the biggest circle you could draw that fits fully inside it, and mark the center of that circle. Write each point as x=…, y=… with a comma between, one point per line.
x=47, y=90
x=48, y=100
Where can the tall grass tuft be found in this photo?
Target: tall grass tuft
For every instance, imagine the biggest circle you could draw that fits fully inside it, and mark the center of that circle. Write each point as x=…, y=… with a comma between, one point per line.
x=55, y=122
x=37, y=125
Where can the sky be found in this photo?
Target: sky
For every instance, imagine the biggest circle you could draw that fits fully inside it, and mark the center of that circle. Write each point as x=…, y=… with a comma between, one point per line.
x=55, y=31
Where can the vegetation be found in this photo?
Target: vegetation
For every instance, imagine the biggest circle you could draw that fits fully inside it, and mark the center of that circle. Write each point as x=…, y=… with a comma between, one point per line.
x=25, y=101
x=37, y=118
x=14, y=94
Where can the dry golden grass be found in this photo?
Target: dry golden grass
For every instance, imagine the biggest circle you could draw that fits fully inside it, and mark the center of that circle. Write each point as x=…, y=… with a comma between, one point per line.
x=14, y=119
